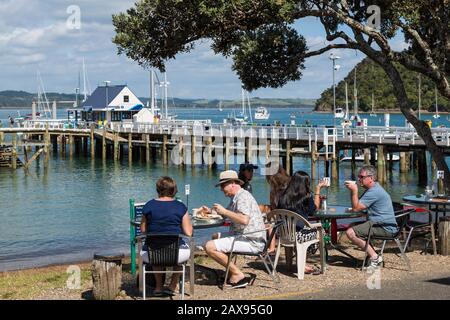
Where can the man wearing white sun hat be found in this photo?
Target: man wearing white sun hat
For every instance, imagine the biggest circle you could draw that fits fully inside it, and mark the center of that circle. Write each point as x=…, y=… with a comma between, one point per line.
x=245, y=217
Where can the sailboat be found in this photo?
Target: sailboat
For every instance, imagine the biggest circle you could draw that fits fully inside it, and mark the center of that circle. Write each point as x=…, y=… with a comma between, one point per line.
x=436, y=115
x=220, y=106
x=43, y=106
x=242, y=119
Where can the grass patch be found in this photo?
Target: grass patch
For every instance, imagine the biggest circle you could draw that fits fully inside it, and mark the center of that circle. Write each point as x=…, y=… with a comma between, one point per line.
x=29, y=284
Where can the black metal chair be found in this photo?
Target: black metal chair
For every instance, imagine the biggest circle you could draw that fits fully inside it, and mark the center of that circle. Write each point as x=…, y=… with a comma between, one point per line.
x=263, y=255
x=163, y=251
x=401, y=217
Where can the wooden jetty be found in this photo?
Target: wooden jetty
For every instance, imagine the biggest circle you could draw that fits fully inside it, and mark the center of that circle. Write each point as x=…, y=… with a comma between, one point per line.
x=191, y=143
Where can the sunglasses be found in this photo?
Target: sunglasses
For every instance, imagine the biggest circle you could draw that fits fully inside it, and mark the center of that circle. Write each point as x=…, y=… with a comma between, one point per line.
x=362, y=177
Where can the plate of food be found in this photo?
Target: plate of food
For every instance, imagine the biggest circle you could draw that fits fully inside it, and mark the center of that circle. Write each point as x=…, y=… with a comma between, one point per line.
x=205, y=214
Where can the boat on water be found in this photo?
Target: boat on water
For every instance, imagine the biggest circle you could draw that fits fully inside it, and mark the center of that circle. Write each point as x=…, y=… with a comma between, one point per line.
x=242, y=118
x=262, y=113
x=339, y=114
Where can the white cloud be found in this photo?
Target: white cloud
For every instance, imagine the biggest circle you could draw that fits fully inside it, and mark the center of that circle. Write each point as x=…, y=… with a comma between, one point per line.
x=34, y=35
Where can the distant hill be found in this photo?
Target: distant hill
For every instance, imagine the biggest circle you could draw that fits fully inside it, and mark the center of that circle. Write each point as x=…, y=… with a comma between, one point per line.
x=22, y=99
x=372, y=78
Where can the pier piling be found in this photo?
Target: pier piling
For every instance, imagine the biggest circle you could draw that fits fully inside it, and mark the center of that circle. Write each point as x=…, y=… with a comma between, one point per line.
x=14, y=151
x=422, y=167
x=130, y=148
x=92, y=138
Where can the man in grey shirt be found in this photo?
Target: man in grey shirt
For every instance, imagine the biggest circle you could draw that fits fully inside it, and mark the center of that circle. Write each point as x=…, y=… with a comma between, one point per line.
x=378, y=204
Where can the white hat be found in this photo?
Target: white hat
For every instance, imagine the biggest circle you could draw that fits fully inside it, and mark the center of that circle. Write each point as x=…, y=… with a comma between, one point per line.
x=229, y=175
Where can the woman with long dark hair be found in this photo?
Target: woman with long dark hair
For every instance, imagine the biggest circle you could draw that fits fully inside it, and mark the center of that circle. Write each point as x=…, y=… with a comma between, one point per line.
x=297, y=197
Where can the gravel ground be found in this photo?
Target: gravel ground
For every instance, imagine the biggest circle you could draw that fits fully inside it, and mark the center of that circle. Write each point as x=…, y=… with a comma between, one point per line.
x=342, y=280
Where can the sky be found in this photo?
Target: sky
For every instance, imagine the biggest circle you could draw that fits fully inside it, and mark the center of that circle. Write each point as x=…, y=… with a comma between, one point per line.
x=42, y=36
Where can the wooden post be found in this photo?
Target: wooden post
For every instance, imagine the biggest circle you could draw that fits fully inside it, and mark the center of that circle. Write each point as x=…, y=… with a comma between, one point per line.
x=2, y=137
x=248, y=147
x=268, y=154
x=14, y=151
x=313, y=159
x=403, y=162
x=147, y=148
x=70, y=146
x=381, y=168
x=444, y=236
x=373, y=156
x=209, y=152
x=104, y=143
x=116, y=146
x=422, y=167
x=353, y=163
x=193, y=149
x=164, y=150
x=227, y=153
x=130, y=148
x=289, y=168
x=106, y=276
x=92, y=141
x=181, y=151
x=335, y=166
x=46, y=146
x=366, y=156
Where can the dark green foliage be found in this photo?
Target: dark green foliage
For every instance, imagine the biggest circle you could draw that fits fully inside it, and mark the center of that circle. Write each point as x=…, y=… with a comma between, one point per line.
x=372, y=78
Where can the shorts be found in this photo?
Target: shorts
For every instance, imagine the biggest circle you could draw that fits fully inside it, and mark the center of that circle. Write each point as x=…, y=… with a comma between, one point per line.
x=183, y=254
x=362, y=230
x=245, y=246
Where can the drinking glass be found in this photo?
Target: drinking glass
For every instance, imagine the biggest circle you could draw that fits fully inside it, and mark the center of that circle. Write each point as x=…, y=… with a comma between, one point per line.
x=428, y=192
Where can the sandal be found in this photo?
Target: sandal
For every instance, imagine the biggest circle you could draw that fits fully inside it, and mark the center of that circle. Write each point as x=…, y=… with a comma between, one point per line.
x=314, y=271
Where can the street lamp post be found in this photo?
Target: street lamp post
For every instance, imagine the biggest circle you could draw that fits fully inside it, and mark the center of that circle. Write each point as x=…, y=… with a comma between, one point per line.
x=333, y=57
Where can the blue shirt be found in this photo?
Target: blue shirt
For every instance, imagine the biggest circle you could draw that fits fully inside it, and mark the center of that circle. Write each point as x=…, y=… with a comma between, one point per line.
x=379, y=207
x=164, y=216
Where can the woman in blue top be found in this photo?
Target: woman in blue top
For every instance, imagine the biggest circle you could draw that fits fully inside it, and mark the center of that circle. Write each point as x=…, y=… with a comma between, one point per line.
x=170, y=216
x=297, y=197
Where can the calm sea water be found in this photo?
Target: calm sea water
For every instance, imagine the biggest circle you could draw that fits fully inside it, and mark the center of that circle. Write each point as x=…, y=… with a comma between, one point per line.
x=81, y=206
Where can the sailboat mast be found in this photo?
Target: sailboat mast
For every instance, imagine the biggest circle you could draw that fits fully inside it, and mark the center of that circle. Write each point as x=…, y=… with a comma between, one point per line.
x=355, y=92
x=436, y=100
x=420, y=97
x=165, y=94
x=346, y=100
x=152, y=92
x=249, y=108
x=84, y=82
x=243, y=101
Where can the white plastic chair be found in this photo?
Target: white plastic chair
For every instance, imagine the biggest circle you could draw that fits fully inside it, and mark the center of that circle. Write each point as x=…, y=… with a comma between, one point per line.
x=288, y=239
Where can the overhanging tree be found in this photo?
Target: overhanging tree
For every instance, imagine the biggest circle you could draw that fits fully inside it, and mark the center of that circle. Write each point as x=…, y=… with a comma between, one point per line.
x=267, y=51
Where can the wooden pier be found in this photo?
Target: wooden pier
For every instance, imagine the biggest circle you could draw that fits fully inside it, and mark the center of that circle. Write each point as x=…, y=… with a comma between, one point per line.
x=190, y=143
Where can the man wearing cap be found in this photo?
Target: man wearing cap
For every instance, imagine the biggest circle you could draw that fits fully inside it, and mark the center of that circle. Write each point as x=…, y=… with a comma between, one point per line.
x=245, y=217
x=246, y=175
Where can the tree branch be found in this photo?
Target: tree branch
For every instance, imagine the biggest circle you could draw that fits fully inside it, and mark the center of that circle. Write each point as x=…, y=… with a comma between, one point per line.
x=330, y=47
